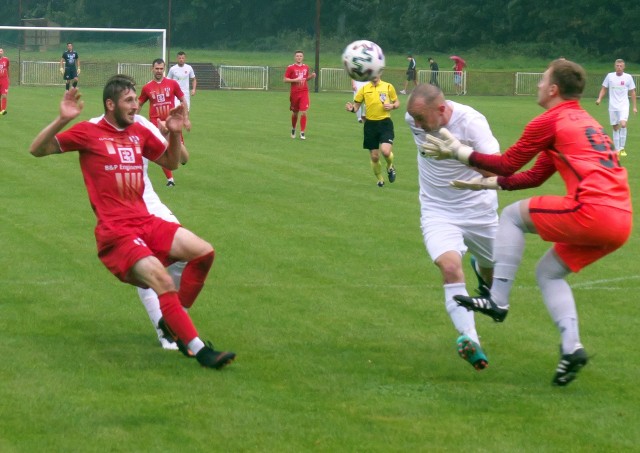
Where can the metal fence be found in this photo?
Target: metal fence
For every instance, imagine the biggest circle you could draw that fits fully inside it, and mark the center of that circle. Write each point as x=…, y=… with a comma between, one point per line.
x=474, y=83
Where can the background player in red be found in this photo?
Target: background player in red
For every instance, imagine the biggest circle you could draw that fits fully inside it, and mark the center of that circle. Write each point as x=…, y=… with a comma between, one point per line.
x=161, y=93
x=592, y=220
x=297, y=75
x=4, y=82
x=133, y=244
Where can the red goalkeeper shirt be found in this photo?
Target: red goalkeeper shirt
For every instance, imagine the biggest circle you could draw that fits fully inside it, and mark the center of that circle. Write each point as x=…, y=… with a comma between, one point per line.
x=572, y=142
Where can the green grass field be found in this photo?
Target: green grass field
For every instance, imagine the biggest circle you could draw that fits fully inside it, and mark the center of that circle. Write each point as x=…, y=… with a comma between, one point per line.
x=321, y=285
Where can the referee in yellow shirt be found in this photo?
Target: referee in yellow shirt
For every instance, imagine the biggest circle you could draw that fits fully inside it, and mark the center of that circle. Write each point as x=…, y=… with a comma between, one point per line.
x=379, y=98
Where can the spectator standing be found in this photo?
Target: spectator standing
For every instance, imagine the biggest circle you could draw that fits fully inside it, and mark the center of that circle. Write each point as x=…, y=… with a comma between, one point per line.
x=433, y=66
x=411, y=74
x=4, y=82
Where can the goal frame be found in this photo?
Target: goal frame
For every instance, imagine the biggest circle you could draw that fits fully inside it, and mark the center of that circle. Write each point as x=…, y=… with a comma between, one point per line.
x=114, y=30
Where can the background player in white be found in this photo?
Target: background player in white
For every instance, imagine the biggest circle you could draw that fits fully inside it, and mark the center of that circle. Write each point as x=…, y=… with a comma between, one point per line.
x=453, y=221
x=620, y=86
x=148, y=297
x=361, y=113
x=183, y=73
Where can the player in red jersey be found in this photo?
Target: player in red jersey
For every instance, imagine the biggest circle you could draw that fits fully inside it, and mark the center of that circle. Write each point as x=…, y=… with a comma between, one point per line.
x=133, y=244
x=568, y=140
x=161, y=93
x=4, y=82
x=297, y=75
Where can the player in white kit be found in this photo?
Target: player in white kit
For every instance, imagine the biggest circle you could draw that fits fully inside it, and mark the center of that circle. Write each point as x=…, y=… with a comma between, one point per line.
x=455, y=221
x=183, y=73
x=620, y=86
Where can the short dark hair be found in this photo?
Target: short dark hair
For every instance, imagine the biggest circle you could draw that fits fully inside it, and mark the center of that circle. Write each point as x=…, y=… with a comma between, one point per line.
x=158, y=61
x=181, y=53
x=570, y=78
x=115, y=86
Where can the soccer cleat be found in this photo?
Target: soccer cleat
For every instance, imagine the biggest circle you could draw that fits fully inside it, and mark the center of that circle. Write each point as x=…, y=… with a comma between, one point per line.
x=210, y=358
x=622, y=152
x=569, y=366
x=302, y=137
x=380, y=183
x=293, y=133
x=403, y=92
x=483, y=287
x=170, y=183
x=483, y=305
x=391, y=173
x=168, y=333
x=472, y=352
x=3, y=112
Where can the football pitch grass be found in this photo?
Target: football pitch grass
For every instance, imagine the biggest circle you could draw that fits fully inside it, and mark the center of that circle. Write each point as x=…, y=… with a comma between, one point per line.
x=322, y=287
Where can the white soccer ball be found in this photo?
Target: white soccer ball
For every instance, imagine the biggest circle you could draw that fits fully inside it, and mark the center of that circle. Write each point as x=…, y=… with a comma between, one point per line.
x=363, y=60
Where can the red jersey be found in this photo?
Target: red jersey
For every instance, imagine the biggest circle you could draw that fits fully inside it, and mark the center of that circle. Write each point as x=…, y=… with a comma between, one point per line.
x=571, y=142
x=161, y=96
x=112, y=166
x=293, y=72
x=4, y=68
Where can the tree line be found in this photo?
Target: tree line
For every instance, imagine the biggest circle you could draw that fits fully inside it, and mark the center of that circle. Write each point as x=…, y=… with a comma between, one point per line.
x=544, y=27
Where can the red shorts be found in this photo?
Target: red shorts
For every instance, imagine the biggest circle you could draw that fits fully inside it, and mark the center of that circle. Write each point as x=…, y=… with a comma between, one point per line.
x=4, y=86
x=122, y=245
x=299, y=101
x=582, y=233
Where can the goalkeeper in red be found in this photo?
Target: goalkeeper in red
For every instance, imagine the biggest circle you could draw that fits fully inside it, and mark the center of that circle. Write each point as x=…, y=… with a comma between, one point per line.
x=568, y=140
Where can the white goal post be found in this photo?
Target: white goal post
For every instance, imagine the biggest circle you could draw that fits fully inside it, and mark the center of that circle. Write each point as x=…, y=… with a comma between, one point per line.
x=103, y=52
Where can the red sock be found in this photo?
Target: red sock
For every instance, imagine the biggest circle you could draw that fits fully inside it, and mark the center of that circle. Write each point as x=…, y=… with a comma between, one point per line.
x=3, y=104
x=167, y=173
x=294, y=120
x=176, y=318
x=193, y=277
x=303, y=122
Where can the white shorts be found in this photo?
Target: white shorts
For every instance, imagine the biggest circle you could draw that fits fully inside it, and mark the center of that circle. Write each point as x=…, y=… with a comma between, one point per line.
x=617, y=116
x=476, y=235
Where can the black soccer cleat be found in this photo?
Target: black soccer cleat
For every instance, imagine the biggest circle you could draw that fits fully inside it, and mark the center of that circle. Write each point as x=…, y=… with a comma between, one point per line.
x=483, y=286
x=210, y=358
x=167, y=332
x=484, y=305
x=569, y=366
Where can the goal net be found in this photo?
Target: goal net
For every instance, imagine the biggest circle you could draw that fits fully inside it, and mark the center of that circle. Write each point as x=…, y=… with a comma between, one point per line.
x=35, y=53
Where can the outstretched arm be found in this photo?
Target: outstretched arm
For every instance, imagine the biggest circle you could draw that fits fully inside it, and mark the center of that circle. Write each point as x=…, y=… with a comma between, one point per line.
x=45, y=142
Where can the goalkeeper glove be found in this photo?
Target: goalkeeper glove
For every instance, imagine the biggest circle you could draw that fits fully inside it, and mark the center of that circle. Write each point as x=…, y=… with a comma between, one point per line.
x=61, y=70
x=446, y=147
x=478, y=183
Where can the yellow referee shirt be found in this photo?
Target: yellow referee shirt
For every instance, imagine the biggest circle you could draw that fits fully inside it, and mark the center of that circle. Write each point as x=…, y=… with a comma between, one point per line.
x=374, y=98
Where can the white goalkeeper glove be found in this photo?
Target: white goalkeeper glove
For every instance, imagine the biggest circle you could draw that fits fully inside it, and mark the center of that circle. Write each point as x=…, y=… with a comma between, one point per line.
x=479, y=183
x=61, y=70
x=446, y=147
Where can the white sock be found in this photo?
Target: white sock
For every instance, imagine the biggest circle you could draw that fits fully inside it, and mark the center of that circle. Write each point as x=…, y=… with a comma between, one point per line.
x=623, y=137
x=616, y=139
x=149, y=299
x=507, y=253
x=558, y=297
x=195, y=345
x=463, y=319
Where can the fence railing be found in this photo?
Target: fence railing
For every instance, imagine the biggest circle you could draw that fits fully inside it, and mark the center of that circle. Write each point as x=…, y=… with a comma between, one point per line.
x=329, y=79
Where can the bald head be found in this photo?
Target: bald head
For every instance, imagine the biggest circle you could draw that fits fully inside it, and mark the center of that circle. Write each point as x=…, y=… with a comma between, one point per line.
x=428, y=107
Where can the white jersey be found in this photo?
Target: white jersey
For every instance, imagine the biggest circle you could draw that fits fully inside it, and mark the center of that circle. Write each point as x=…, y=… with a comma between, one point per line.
x=437, y=197
x=182, y=74
x=150, y=197
x=619, y=87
